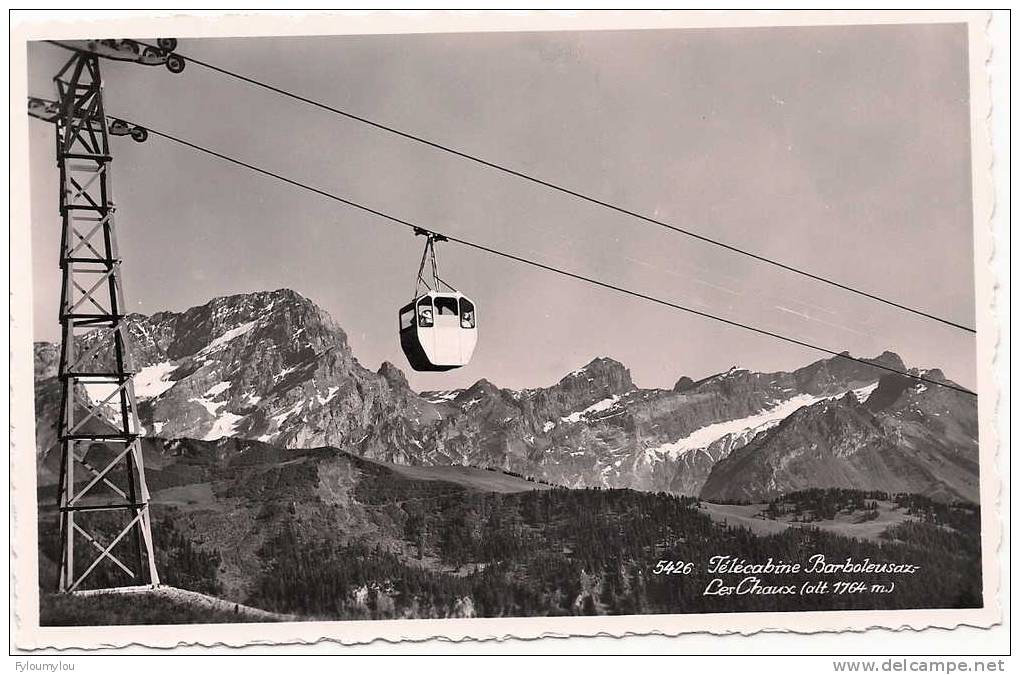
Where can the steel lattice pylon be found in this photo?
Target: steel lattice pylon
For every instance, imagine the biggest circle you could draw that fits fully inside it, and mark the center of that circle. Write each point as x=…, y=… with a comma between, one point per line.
x=103, y=498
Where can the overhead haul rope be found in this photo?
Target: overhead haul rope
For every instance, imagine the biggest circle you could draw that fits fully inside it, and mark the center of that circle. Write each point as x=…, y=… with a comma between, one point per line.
x=550, y=268
x=573, y=193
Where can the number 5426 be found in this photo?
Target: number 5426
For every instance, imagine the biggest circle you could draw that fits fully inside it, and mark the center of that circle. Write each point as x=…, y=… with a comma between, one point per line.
x=673, y=567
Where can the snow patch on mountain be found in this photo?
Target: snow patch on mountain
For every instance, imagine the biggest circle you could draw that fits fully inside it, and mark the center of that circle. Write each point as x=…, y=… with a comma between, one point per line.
x=225, y=425
x=151, y=382
x=863, y=393
x=282, y=417
x=599, y=406
x=217, y=389
x=231, y=334
x=330, y=395
x=441, y=396
x=757, y=423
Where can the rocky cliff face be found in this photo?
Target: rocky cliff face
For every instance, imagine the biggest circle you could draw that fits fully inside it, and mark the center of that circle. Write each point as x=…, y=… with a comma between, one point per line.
x=274, y=367
x=905, y=437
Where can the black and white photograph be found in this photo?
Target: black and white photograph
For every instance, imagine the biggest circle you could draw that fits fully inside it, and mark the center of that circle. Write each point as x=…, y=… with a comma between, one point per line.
x=341, y=329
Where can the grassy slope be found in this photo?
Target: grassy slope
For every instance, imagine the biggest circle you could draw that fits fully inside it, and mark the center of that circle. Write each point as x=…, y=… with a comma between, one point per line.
x=162, y=606
x=750, y=516
x=469, y=477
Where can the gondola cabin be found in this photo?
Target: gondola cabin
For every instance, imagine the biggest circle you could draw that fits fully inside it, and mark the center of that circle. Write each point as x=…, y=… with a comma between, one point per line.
x=438, y=331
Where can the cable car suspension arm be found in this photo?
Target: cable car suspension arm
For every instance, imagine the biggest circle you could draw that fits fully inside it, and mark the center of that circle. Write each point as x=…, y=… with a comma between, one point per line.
x=429, y=254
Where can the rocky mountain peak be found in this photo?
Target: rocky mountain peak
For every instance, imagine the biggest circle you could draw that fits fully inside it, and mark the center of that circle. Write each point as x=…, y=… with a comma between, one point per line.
x=907, y=436
x=602, y=373
x=393, y=375
x=683, y=384
x=480, y=389
x=890, y=388
x=269, y=365
x=889, y=360
x=834, y=374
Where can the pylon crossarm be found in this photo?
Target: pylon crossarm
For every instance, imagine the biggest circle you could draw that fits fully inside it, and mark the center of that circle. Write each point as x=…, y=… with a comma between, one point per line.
x=96, y=407
x=106, y=551
x=96, y=472
x=99, y=476
x=99, y=547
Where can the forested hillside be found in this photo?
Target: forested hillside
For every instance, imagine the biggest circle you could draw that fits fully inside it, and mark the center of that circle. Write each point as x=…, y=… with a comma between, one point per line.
x=323, y=534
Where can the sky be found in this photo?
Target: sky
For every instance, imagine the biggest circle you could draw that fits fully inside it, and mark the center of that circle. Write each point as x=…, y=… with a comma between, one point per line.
x=843, y=151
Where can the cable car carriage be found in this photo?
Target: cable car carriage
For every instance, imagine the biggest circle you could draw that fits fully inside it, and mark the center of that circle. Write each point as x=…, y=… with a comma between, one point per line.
x=439, y=328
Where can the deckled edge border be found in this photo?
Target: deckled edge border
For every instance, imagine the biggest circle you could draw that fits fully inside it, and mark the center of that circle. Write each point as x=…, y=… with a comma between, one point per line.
x=31, y=637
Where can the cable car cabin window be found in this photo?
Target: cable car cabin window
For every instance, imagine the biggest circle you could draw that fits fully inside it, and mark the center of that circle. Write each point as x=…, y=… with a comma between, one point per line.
x=407, y=318
x=467, y=313
x=425, y=317
x=446, y=306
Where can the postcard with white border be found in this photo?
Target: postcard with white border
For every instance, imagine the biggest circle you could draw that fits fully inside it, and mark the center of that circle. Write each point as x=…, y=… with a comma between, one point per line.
x=380, y=325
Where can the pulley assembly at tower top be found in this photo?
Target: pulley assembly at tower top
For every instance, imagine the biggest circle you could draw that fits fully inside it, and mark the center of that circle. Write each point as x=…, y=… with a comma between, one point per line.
x=160, y=54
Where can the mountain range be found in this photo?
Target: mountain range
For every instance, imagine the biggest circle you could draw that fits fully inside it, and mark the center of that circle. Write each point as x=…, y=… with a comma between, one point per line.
x=275, y=368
